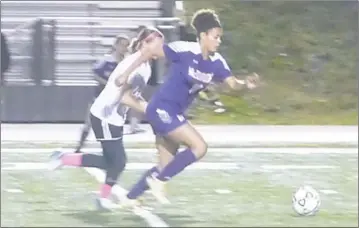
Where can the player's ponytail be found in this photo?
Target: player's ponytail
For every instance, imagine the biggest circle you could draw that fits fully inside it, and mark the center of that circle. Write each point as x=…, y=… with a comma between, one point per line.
x=134, y=45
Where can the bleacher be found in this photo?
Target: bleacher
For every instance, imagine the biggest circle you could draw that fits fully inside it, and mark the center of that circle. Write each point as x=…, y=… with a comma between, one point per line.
x=85, y=30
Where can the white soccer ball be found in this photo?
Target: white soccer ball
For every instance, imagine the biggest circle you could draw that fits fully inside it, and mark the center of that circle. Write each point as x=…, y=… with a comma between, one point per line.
x=306, y=201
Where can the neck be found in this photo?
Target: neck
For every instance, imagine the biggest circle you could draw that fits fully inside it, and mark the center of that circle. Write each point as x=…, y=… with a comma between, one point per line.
x=204, y=51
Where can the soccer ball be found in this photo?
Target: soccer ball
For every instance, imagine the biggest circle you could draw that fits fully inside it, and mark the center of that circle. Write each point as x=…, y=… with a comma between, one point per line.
x=306, y=201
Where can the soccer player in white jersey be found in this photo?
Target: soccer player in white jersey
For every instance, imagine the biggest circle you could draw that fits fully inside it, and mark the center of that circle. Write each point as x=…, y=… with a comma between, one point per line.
x=108, y=114
x=194, y=65
x=102, y=70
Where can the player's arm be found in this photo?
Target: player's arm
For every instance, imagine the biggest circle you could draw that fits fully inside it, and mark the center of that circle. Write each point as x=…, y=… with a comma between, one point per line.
x=225, y=75
x=171, y=51
x=122, y=78
x=138, y=104
x=250, y=82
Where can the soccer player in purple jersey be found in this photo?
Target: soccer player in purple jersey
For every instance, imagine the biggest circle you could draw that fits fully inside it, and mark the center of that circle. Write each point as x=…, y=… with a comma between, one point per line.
x=193, y=66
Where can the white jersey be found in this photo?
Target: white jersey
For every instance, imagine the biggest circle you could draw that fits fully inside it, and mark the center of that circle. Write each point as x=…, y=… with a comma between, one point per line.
x=137, y=79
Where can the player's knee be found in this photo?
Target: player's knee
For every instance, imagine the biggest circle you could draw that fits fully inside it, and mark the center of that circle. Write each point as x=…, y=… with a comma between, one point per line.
x=200, y=149
x=121, y=158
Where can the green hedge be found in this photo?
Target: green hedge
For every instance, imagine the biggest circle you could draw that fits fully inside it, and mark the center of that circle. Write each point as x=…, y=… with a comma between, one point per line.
x=305, y=52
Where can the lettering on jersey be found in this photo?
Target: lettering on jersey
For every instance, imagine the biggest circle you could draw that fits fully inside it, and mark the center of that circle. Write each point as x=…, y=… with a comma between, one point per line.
x=200, y=76
x=164, y=116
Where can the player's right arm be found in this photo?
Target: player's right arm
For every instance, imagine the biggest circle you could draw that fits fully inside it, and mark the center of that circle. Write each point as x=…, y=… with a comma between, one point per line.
x=172, y=51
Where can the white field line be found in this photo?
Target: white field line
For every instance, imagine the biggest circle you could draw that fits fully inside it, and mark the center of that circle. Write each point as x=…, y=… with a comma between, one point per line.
x=12, y=166
x=305, y=167
x=210, y=150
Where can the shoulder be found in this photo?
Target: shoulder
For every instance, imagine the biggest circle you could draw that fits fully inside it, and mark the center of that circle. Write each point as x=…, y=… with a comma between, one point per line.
x=184, y=46
x=218, y=59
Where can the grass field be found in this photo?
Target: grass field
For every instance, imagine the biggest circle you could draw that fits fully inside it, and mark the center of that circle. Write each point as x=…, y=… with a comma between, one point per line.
x=233, y=187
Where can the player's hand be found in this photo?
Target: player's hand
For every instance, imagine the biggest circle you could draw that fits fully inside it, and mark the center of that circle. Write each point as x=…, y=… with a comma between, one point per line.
x=252, y=81
x=121, y=80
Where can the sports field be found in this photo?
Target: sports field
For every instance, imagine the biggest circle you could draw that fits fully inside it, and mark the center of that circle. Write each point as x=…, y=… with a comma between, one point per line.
x=229, y=187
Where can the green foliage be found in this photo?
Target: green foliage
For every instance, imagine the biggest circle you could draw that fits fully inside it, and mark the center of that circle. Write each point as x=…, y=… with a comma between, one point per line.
x=305, y=53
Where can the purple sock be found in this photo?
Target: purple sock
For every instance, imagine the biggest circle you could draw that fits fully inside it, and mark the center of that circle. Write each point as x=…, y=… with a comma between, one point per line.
x=141, y=186
x=179, y=163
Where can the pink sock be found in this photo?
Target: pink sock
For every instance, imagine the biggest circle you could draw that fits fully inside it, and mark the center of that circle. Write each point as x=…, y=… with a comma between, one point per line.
x=72, y=159
x=105, y=191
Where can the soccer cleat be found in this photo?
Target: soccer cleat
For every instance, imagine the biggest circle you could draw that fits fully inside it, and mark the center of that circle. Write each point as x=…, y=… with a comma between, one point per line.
x=55, y=160
x=157, y=189
x=127, y=203
x=104, y=204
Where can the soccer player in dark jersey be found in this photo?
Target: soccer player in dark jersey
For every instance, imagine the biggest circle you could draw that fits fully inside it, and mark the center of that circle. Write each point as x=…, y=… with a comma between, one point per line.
x=194, y=65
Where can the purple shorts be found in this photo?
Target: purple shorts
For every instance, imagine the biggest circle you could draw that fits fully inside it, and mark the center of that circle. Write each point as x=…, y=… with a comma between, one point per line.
x=163, y=119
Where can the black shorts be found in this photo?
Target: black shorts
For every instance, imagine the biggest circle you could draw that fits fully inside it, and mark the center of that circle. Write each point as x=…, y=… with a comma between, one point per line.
x=104, y=131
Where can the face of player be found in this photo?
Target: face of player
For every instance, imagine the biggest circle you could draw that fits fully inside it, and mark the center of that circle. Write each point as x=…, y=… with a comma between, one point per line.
x=154, y=43
x=121, y=47
x=212, y=39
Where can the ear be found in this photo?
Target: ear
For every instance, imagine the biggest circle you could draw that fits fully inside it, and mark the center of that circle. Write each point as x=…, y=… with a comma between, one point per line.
x=202, y=35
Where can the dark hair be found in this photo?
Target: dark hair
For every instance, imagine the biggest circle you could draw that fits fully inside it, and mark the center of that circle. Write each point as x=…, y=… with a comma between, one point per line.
x=143, y=35
x=204, y=20
x=119, y=38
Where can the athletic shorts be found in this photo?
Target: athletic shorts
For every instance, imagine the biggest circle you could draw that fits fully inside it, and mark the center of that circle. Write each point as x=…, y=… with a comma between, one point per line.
x=163, y=119
x=105, y=131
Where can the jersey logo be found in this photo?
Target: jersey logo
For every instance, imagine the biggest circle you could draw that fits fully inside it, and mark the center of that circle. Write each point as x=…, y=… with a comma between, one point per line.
x=164, y=116
x=200, y=76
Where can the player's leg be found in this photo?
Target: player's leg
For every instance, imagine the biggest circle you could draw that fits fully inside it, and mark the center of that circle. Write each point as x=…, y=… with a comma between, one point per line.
x=87, y=125
x=84, y=133
x=116, y=159
x=197, y=148
x=166, y=151
x=59, y=159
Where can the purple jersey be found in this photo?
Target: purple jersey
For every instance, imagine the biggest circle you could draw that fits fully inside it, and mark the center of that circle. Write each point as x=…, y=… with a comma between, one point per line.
x=189, y=74
x=104, y=67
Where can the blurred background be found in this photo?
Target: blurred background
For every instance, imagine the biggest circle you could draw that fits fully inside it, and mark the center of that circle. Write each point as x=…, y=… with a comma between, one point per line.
x=305, y=53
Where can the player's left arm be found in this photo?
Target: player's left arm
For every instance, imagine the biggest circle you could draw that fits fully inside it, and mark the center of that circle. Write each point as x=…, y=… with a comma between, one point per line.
x=224, y=74
x=250, y=82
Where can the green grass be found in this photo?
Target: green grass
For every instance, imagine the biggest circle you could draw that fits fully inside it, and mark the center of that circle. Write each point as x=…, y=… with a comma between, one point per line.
x=256, y=197
x=315, y=83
